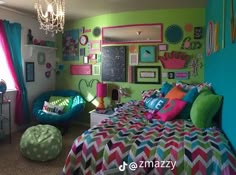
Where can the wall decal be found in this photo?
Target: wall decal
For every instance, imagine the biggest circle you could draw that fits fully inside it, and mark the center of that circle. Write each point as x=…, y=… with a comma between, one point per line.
x=80, y=69
x=29, y=71
x=216, y=34
x=96, y=31
x=195, y=64
x=147, y=53
x=148, y=74
x=163, y=47
x=190, y=45
x=232, y=22
x=70, y=45
x=82, y=51
x=174, y=60
x=171, y=75
x=133, y=59
x=114, y=63
x=86, y=88
x=198, y=32
x=174, y=34
x=133, y=49
x=188, y=27
x=95, y=46
x=223, y=25
x=183, y=75
x=209, y=38
x=96, y=69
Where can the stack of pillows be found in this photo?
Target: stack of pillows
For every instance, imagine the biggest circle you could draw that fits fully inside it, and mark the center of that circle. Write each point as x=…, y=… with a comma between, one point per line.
x=57, y=105
x=183, y=101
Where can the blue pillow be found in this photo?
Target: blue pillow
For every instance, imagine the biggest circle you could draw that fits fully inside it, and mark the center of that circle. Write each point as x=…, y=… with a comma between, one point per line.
x=166, y=87
x=189, y=97
x=155, y=103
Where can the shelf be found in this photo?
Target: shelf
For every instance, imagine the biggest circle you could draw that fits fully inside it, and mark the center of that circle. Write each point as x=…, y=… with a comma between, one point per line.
x=39, y=46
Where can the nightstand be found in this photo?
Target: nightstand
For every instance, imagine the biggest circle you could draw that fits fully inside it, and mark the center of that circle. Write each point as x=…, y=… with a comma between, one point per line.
x=96, y=118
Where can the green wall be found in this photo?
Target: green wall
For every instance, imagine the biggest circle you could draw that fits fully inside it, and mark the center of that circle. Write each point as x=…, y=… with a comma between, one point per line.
x=169, y=17
x=220, y=67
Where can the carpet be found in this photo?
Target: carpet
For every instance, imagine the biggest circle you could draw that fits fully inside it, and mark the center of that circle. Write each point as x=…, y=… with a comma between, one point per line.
x=13, y=163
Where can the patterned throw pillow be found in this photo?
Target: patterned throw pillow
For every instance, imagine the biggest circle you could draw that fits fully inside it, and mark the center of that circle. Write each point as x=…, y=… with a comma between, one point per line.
x=52, y=109
x=166, y=87
x=155, y=103
x=64, y=102
x=171, y=109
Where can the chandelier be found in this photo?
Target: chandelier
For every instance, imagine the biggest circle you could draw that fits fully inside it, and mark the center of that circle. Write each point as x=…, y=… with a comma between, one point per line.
x=51, y=15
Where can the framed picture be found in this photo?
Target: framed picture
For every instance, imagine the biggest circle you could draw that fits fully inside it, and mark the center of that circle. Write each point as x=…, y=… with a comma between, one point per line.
x=95, y=46
x=133, y=59
x=148, y=74
x=82, y=51
x=86, y=60
x=29, y=71
x=147, y=54
x=96, y=69
x=163, y=47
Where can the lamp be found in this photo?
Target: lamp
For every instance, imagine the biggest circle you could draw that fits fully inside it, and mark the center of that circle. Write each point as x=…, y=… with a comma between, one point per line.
x=101, y=93
x=51, y=15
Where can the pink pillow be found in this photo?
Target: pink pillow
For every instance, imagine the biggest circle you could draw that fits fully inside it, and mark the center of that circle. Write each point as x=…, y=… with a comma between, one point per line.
x=171, y=109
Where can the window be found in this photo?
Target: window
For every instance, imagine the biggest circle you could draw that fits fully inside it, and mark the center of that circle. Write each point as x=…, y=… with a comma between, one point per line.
x=5, y=72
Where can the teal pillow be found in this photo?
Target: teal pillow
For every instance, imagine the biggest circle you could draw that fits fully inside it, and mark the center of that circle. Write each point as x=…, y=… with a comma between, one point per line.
x=155, y=103
x=166, y=87
x=204, y=108
x=189, y=97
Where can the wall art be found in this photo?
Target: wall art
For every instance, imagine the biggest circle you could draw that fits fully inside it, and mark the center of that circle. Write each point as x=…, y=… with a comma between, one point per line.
x=114, y=63
x=70, y=45
x=96, y=69
x=29, y=71
x=95, y=46
x=133, y=59
x=148, y=74
x=77, y=69
x=147, y=54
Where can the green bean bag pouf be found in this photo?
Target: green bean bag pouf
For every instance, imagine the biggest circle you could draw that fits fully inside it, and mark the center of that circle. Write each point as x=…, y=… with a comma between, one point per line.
x=41, y=142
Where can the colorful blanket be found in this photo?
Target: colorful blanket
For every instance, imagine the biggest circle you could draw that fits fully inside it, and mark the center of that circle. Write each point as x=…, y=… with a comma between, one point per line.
x=128, y=143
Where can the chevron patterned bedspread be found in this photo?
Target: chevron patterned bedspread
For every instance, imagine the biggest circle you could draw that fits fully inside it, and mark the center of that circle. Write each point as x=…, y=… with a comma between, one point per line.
x=127, y=143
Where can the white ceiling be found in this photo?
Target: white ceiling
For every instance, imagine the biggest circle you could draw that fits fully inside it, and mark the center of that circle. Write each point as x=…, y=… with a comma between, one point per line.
x=77, y=9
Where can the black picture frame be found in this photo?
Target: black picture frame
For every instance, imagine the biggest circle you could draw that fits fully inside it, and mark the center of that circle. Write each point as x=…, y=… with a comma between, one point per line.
x=147, y=74
x=29, y=71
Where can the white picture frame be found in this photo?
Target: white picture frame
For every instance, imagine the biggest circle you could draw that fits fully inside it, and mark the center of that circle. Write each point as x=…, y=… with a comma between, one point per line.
x=96, y=69
x=133, y=59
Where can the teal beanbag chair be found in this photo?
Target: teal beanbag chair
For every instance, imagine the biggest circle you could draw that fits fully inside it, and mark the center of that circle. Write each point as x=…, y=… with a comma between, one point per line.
x=41, y=142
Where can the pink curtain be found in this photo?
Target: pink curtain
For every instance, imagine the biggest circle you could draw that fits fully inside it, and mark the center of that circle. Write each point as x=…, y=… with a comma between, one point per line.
x=18, y=107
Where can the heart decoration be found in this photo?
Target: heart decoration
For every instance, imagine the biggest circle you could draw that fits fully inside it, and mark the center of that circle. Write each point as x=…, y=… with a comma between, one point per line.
x=84, y=88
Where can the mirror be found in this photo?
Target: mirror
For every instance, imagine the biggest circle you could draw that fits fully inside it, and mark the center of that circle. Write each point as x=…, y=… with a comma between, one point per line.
x=137, y=33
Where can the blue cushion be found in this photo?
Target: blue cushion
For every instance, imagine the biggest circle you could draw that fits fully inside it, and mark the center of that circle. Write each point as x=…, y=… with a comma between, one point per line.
x=155, y=103
x=166, y=87
x=189, y=97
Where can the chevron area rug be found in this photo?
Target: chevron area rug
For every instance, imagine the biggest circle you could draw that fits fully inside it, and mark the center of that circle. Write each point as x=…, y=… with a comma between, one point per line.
x=13, y=163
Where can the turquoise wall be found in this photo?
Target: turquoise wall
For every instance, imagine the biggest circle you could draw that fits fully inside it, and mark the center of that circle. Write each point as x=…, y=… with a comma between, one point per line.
x=181, y=17
x=220, y=67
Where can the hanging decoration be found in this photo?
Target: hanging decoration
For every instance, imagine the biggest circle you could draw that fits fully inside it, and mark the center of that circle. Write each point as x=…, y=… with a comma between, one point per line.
x=195, y=64
x=209, y=38
x=174, y=34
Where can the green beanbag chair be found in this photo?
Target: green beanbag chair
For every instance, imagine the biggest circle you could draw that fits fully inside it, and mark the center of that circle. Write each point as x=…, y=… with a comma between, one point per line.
x=41, y=142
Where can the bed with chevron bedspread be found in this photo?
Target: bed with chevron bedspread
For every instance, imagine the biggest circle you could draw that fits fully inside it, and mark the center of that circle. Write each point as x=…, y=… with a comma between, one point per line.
x=127, y=143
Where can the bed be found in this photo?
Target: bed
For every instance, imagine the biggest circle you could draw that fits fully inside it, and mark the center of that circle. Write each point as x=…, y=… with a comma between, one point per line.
x=129, y=143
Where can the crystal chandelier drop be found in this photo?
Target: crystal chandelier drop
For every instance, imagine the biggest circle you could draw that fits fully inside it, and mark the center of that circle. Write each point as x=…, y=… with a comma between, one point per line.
x=51, y=15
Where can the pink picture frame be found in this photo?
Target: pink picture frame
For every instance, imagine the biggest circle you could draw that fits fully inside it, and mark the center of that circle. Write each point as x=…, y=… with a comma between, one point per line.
x=95, y=46
x=76, y=69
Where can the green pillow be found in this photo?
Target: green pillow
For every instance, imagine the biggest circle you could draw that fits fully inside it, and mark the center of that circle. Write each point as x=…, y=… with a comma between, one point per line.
x=65, y=102
x=204, y=108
